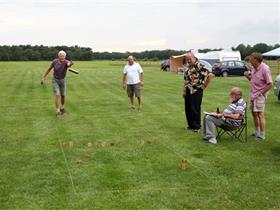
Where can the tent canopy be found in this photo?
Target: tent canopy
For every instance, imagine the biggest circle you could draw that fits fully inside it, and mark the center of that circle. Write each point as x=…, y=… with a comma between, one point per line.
x=273, y=53
x=222, y=55
x=176, y=62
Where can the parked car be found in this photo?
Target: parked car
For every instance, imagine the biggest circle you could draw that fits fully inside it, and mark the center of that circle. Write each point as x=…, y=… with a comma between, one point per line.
x=165, y=65
x=231, y=67
x=277, y=87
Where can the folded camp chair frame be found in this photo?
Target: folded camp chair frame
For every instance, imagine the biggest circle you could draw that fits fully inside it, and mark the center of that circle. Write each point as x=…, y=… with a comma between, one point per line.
x=235, y=132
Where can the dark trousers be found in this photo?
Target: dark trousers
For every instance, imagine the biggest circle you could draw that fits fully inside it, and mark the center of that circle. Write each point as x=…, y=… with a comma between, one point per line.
x=193, y=108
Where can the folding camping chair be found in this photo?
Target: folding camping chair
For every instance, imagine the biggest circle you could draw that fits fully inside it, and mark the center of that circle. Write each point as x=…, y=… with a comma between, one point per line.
x=235, y=132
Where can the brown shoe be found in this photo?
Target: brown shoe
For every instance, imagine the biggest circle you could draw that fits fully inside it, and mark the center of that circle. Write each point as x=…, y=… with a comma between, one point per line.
x=62, y=111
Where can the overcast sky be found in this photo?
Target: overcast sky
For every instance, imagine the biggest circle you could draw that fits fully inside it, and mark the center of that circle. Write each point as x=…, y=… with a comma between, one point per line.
x=136, y=25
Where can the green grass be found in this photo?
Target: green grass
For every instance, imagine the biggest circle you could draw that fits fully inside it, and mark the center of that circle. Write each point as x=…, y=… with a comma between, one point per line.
x=37, y=172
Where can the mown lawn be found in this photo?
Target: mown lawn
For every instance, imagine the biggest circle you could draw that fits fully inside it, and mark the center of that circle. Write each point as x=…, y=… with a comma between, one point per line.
x=120, y=172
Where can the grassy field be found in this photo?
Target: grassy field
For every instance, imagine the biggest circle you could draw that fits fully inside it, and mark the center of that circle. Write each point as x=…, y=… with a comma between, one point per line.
x=120, y=172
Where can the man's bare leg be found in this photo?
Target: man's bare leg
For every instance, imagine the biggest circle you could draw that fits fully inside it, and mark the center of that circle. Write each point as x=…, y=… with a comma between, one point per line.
x=256, y=119
x=57, y=104
x=262, y=124
x=139, y=103
x=256, y=123
x=62, y=101
x=131, y=103
x=62, y=104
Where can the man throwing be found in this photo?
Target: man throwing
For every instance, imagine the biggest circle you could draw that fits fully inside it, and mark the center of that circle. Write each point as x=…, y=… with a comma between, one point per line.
x=59, y=67
x=260, y=83
x=133, y=80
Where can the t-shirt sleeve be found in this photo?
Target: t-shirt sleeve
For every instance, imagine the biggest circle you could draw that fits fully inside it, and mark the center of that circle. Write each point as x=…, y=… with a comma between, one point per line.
x=140, y=69
x=207, y=70
x=124, y=70
x=241, y=107
x=52, y=64
x=267, y=76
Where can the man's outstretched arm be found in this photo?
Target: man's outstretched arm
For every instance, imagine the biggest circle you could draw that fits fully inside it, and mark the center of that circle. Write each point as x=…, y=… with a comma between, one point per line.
x=124, y=81
x=45, y=74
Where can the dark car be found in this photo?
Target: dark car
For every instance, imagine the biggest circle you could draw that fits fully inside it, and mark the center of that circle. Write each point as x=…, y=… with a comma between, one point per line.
x=165, y=65
x=225, y=68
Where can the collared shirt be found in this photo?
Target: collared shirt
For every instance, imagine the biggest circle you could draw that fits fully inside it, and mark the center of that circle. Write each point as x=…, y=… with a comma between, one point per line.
x=261, y=77
x=133, y=73
x=195, y=76
x=236, y=107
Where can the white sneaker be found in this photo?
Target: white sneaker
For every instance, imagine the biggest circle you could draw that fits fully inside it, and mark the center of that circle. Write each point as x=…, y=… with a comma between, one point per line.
x=212, y=141
x=261, y=137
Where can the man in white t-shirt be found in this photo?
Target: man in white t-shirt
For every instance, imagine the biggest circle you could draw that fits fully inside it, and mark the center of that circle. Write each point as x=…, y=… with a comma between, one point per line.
x=133, y=80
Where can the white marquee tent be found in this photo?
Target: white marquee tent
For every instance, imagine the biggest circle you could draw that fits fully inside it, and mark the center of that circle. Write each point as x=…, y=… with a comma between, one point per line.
x=272, y=53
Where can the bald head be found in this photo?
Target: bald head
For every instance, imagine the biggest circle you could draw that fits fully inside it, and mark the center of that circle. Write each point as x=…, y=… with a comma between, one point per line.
x=236, y=93
x=130, y=59
x=190, y=58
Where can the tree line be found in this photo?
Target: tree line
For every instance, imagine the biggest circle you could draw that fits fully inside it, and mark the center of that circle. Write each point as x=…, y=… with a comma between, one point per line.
x=145, y=55
x=40, y=52
x=246, y=50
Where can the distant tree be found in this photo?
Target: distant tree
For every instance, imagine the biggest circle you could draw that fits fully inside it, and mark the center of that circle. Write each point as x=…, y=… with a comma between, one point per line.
x=276, y=46
x=247, y=58
x=242, y=49
x=261, y=47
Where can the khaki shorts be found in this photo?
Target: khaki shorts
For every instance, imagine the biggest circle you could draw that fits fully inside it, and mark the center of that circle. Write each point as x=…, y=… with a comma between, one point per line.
x=258, y=104
x=59, y=87
x=134, y=89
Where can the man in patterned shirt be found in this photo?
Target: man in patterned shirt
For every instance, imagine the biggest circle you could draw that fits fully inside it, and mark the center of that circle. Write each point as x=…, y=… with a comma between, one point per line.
x=196, y=78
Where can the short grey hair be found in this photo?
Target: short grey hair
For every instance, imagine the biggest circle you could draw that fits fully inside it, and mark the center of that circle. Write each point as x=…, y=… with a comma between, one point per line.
x=258, y=56
x=61, y=52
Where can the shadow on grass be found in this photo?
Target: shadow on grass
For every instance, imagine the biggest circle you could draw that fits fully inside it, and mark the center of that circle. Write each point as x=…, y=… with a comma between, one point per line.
x=276, y=151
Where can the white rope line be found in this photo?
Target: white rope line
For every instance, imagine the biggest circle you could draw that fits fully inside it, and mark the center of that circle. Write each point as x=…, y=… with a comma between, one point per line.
x=66, y=162
x=137, y=190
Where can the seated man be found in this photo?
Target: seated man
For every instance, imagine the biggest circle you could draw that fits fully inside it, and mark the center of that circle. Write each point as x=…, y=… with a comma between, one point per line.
x=231, y=116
